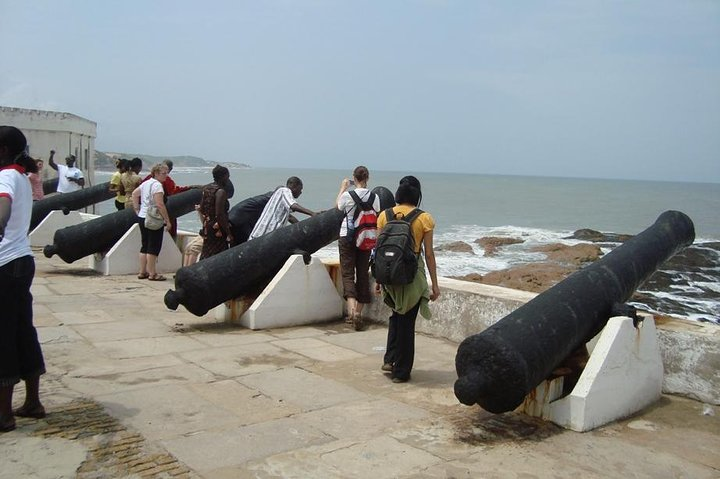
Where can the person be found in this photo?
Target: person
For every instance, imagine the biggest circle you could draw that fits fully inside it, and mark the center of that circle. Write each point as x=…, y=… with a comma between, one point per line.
x=130, y=180
x=36, y=181
x=193, y=250
x=170, y=188
x=21, y=357
x=116, y=183
x=277, y=211
x=150, y=193
x=70, y=178
x=213, y=210
x=354, y=262
x=407, y=300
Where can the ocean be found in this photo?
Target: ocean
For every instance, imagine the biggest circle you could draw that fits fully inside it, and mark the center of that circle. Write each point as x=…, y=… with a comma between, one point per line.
x=538, y=210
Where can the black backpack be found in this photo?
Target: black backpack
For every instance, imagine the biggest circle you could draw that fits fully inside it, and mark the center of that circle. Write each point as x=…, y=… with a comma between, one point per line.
x=395, y=262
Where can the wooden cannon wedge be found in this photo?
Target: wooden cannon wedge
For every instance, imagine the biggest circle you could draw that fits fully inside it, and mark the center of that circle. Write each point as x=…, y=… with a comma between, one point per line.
x=248, y=266
x=69, y=201
x=500, y=366
x=100, y=234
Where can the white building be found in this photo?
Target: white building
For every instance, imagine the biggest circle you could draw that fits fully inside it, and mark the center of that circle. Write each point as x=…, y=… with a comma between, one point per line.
x=52, y=130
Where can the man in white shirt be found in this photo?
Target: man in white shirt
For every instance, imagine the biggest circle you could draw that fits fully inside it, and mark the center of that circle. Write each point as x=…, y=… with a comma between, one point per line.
x=277, y=210
x=70, y=178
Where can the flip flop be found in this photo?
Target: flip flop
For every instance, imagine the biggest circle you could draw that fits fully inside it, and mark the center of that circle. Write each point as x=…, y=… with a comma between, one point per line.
x=143, y=276
x=157, y=277
x=37, y=413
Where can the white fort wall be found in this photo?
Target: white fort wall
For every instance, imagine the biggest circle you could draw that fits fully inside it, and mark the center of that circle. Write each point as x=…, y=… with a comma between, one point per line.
x=690, y=350
x=51, y=130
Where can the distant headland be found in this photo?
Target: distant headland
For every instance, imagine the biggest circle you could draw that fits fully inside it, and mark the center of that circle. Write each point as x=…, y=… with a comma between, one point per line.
x=106, y=160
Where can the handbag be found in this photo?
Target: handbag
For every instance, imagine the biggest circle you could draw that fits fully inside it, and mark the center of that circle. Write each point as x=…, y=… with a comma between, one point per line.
x=153, y=218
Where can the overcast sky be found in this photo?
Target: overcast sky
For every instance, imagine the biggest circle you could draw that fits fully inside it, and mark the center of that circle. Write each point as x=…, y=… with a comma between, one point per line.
x=612, y=89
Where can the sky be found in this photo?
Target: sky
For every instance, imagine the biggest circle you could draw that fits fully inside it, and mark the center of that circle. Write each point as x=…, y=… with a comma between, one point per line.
x=596, y=89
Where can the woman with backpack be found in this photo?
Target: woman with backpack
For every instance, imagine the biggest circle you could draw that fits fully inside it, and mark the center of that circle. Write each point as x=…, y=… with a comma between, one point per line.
x=406, y=300
x=357, y=238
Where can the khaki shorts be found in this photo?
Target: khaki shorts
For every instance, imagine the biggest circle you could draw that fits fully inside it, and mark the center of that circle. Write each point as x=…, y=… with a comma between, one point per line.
x=195, y=246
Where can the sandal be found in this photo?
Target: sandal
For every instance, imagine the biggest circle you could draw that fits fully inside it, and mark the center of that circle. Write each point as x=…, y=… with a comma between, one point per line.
x=143, y=276
x=38, y=412
x=157, y=277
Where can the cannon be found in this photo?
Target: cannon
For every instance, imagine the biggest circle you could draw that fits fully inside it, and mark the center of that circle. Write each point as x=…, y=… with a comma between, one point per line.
x=50, y=186
x=100, y=234
x=498, y=367
x=251, y=265
x=245, y=214
x=69, y=201
x=247, y=266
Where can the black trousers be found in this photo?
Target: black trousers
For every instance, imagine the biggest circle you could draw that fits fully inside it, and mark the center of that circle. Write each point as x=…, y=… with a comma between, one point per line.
x=20, y=353
x=400, y=350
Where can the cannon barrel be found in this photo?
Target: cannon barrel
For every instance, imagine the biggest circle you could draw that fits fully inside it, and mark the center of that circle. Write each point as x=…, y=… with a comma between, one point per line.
x=498, y=367
x=245, y=214
x=243, y=268
x=50, y=186
x=100, y=234
x=69, y=201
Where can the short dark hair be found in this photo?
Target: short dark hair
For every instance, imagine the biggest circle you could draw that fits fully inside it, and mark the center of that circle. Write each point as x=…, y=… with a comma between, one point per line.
x=135, y=162
x=409, y=191
x=169, y=164
x=293, y=181
x=16, y=143
x=219, y=172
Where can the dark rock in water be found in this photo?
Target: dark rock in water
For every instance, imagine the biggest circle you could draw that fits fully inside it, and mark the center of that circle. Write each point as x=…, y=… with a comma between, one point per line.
x=586, y=234
x=492, y=243
x=685, y=284
x=456, y=247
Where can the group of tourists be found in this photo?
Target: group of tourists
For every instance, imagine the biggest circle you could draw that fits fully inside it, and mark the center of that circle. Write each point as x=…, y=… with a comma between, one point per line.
x=362, y=233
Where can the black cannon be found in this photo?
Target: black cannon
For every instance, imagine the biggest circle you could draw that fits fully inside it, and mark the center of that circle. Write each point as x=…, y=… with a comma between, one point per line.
x=243, y=268
x=69, y=201
x=100, y=234
x=50, y=186
x=250, y=265
x=245, y=214
x=500, y=366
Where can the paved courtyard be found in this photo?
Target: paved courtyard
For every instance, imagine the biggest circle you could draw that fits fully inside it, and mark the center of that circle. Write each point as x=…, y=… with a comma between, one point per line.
x=136, y=390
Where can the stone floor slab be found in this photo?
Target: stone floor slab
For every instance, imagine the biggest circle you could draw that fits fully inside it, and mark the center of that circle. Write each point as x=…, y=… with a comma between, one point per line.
x=299, y=387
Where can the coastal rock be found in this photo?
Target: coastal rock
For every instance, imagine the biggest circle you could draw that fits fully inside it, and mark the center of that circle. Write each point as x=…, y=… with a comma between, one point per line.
x=587, y=234
x=456, y=247
x=492, y=243
x=534, y=277
x=472, y=277
x=570, y=255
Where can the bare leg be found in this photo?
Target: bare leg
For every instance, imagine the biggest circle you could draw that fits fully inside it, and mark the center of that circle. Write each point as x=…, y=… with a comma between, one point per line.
x=143, y=264
x=32, y=406
x=151, y=265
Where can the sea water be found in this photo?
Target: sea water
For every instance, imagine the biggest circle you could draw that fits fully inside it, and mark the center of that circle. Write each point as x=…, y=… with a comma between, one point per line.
x=538, y=210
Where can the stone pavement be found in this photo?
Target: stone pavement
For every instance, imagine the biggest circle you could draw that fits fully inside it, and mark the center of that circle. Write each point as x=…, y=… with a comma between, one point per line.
x=136, y=390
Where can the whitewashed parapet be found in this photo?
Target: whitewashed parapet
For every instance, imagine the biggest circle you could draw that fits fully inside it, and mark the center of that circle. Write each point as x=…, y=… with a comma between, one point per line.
x=690, y=350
